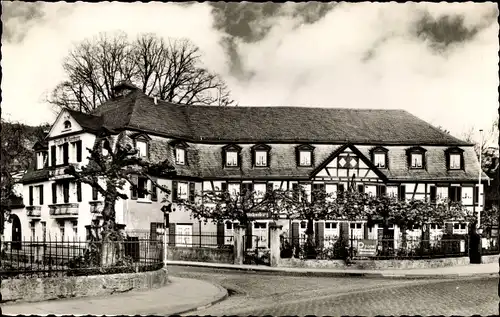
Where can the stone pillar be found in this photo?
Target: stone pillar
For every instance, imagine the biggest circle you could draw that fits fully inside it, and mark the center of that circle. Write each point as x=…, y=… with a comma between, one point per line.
x=274, y=257
x=239, y=233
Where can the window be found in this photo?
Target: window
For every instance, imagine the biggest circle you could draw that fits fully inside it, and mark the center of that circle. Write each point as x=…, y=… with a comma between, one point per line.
x=104, y=145
x=355, y=226
x=402, y=192
x=44, y=230
x=142, y=187
x=303, y=225
x=229, y=225
x=61, y=229
x=260, y=155
x=233, y=189
x=261, y=158
x=75, y=228
x=182, y=191
x=67, y=125
x=433, y=194
x=231, y=158
x=381, y=190
x=341, y=188
x=260, y=191
x=330, y=225
x=416, y=157
x=455, y=193
x=184, y=235
x=304, y=155
x=40, y=194
x=416, y=160
x=435, y=226
x=305, y=158
x=41, y=160
x=361, y=188
x=454, y=158
x=142, y=148
x=459, y=228
x=180, y=155
x=455, y=161
x=379, y=160
x=33, y=227
x=95, y=194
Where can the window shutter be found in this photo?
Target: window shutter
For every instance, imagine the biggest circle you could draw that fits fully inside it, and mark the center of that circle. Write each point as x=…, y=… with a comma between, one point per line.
x=447, y=159
x=459, y=194
x=94, y=193
x=297, y=157
x=174, y=191
x=34, y=161
x=41, y=195
x=31, y=195
x=361, y=188
x=191, y=192
x=135, y=181
x=223, y=158
x=66, y=192
x=45, y=159
x=295, y=233
x=154, y=192
x=65, y=154
x=341, y=188
x=220, y=233
x=433, y=194
x=320, y=233
x=152, y=231
x=402, y=192
x=269, y=188
x=171, y=234
x=448, y=228
x=249, y=236
x=223, y=187
x=79, y=192
x=365, y=231
x=254, y=159
x=79, y=151
x=54, y=193
x=295, y=190
x=476, y=195
x=53, y=155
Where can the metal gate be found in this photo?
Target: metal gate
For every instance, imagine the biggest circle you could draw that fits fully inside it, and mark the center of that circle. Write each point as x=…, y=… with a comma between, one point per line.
x=254, y=253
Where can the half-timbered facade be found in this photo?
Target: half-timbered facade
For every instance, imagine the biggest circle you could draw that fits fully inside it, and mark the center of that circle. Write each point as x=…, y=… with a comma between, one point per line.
x=380, y=152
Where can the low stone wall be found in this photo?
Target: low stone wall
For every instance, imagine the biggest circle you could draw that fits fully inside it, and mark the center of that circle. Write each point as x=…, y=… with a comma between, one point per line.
x=212, y=255
x=383, y=264
x=41, y=289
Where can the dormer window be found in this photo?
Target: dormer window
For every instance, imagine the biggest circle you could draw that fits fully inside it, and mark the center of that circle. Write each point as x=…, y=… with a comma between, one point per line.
x=231, y=155
x=379, y=157
x=141, y=144
x=454, y=158
x=180, y=155
x=179, y=152
x=305, y=155
x=67, y=125
x=260, y=154
x=416, y=157
x=41, y=160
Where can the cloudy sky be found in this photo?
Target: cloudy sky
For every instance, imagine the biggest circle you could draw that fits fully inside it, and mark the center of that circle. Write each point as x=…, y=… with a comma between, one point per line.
x=438, y=61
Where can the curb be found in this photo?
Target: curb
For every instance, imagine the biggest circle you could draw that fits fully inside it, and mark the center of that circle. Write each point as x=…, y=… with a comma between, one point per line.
x=210, y=303
x=304, y=272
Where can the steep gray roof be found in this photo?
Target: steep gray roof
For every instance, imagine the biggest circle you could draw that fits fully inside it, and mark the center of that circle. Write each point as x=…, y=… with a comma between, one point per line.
x=270, y=124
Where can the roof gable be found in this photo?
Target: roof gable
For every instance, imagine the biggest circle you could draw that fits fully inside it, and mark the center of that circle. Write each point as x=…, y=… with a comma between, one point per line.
x=58, y=127
x=366, y=169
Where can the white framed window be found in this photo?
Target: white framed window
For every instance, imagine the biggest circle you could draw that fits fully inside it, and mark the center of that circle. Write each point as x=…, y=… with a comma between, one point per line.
x=41, y=160
x=182, y=190
x=331, y=189
x=229, y=232
x=305, y=158
x=33, y=229
x=392, y=191
x=60, y=154
x=74, y=224
x=233, y=189
x=379, y=160
x=331, y=233
x=142, y=184
x=184, y=235
x=261, y=158
x=67, y=124
x=455, y=160
x=459, y=228
x=142, y=148
x=260, y=234
x=231, y=158
x=416, y=160
x=260, y=191
x=180, y=155
x=356, y=230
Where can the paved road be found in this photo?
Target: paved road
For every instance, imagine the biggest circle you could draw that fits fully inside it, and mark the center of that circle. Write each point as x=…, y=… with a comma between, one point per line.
x=265, y=294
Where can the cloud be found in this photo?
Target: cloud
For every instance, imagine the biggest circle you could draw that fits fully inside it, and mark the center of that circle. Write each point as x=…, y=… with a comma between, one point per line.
x=244, y=22
x=18, y=18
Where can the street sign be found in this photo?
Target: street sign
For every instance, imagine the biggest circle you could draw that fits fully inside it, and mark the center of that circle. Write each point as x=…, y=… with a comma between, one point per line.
x=367, y=247
x=259, y=215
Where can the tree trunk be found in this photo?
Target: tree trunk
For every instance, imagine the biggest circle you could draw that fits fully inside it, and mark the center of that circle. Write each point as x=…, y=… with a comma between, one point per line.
x=310, y=246
x=112, y=248
x=404, y=234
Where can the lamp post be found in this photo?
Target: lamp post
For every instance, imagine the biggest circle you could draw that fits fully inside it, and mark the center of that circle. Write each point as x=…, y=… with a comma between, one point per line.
x=166, y=217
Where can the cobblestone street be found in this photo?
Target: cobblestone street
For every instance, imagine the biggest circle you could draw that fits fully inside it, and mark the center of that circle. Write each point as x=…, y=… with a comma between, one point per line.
x=266, y=294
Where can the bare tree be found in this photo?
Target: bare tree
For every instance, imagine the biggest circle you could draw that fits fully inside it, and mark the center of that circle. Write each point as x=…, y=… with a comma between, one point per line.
x=116, y=166
x=171, y=70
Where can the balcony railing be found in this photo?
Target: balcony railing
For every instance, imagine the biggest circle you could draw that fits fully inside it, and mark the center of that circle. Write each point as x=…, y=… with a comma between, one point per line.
x=34, y=211
x=64, y=210
x=58, y=172
x=96, y=207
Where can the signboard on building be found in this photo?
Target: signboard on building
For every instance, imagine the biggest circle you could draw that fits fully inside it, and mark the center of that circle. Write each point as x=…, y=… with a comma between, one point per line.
x=367, y=247
x=259, y=215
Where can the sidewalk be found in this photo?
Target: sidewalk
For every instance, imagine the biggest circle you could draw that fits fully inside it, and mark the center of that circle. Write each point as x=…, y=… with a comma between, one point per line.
x=179, y=296
x=490, y=269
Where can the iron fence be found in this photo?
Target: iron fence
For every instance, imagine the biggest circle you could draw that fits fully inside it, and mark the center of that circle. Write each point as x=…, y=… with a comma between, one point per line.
x=355, y=248
x=70, y=258
x=201, y=240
